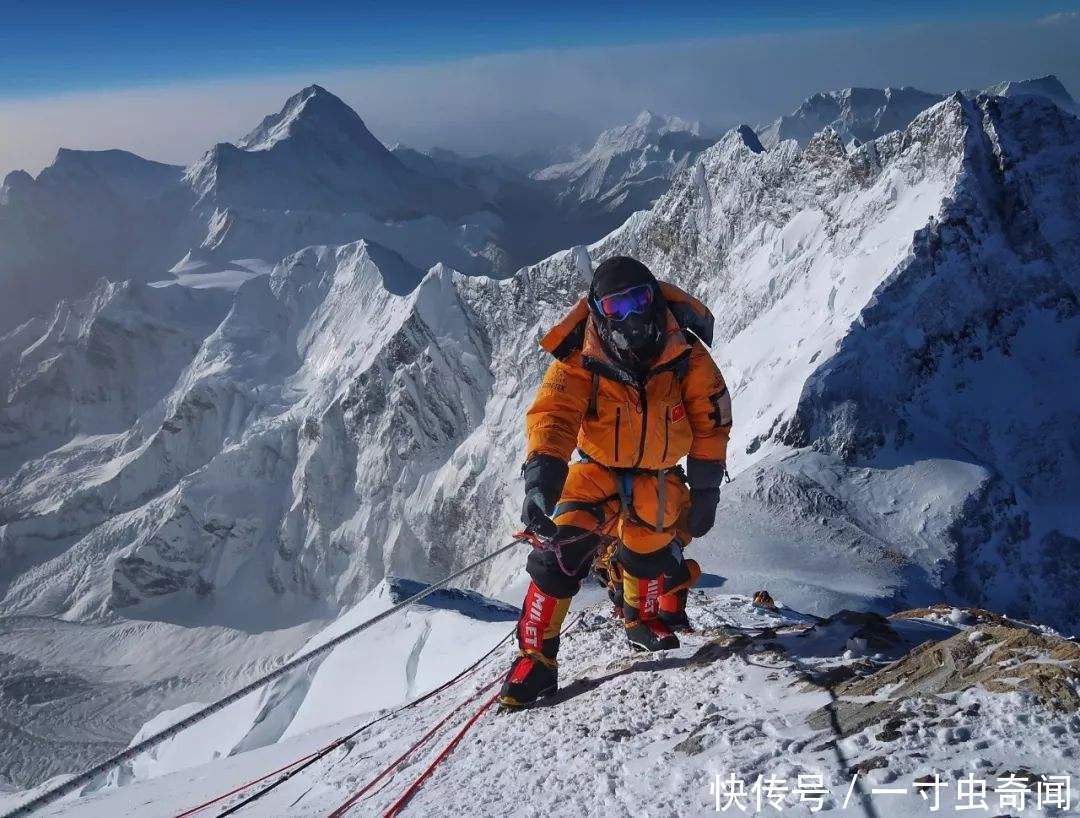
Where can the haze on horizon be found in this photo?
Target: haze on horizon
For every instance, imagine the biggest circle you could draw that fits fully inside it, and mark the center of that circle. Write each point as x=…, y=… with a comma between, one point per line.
x=529, y=84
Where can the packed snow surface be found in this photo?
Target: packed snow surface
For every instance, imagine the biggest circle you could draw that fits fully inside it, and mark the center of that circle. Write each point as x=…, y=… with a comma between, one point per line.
x=752, y=696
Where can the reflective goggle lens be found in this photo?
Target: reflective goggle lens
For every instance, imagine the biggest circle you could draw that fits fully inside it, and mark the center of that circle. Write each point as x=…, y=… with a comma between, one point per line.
x=618, y=306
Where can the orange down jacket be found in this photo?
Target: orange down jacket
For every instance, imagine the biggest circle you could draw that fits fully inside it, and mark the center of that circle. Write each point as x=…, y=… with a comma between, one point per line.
x=587, y=401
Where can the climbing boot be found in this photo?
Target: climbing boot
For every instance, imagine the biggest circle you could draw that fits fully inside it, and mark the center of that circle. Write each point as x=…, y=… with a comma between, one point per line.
x=534, y=673
x=531, y=676
x=650, y=635
x=673, y=611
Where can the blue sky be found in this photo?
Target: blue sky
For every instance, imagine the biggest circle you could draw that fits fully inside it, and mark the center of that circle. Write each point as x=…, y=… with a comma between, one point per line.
x=168, y=81
x=50, y=47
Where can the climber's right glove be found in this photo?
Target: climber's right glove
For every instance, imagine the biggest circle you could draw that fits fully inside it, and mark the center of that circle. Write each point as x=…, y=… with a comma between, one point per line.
x=544, y=478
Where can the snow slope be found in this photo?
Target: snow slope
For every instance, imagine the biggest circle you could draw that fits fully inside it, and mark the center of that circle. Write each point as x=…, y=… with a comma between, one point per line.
x=90, y=213
x=753, y=695
x=907, y=309
x=874, y=306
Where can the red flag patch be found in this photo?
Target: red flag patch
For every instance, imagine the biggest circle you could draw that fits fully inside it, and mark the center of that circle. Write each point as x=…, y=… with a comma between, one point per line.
x=678, y=412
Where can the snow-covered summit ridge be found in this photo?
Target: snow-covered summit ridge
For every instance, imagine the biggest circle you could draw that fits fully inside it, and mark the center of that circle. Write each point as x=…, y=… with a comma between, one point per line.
x=862, y=114
x=1049, y=87
x=754, y=693
x=871, y=310
x=854, y=113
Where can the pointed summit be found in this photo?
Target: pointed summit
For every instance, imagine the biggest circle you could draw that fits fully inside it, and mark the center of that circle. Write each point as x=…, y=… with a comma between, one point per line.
x=314, y=115
x=316, y=154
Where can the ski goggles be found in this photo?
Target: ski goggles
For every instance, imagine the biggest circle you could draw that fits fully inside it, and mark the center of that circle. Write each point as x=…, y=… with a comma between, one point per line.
x=621, y=305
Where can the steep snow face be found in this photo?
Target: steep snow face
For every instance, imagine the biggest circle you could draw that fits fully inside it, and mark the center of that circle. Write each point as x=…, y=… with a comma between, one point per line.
x=913, y=300
x=97, y=366
x=854, y=113
x=416, y=653
x=628, y=167
x=299, y=449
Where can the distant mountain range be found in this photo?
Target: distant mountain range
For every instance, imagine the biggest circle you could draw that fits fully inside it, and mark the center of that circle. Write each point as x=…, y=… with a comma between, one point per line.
x=214, y=464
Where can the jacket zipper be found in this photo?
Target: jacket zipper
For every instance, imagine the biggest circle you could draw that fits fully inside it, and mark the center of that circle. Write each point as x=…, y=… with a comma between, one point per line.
x=644, y=424
x=618, y=423
x=667, y=423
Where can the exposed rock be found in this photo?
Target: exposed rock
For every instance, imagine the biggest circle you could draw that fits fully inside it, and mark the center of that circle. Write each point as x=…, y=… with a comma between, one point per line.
x=1010, y=659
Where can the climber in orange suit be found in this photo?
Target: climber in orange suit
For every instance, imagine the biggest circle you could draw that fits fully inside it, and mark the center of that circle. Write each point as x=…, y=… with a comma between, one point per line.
x=634, y=389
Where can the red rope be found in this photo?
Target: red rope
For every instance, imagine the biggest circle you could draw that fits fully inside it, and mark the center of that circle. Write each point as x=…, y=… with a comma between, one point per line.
x=293, y=763
x=420, y=742
x=339, y=741
x=449, y=748
x=341, y=810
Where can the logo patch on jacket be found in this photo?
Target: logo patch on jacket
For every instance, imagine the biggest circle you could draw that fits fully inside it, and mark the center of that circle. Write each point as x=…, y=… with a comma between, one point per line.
x=677, y=412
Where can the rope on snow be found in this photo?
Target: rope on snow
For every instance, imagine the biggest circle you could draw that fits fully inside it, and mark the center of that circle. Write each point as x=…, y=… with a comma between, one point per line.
x=77, y=782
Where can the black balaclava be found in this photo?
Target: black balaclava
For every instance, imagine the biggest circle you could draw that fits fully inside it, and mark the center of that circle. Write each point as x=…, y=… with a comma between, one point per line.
x=637, y=340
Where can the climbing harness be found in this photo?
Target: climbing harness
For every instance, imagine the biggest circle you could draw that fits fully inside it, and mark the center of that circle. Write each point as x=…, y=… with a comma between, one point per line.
x=556, y=544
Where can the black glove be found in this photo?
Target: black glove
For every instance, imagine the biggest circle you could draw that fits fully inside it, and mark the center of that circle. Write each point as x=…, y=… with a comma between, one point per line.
x=544, y=477
x=702, y=514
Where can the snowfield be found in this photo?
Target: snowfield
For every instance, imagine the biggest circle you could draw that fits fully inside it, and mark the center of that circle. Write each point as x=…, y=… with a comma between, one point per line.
x=754, y=696
x=200, y=476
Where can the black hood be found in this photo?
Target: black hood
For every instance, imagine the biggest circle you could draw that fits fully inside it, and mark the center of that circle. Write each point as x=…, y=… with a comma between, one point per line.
x=639, y=339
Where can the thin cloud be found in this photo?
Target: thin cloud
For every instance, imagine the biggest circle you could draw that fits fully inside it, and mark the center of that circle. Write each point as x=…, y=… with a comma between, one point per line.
x=1058, y=18
x=528, y=100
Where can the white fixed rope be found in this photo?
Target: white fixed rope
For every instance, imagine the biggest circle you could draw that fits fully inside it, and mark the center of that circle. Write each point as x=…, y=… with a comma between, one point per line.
x=81, y=780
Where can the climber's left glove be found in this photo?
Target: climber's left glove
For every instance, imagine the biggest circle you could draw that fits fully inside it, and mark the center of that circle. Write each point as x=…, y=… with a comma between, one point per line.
x=704, y=477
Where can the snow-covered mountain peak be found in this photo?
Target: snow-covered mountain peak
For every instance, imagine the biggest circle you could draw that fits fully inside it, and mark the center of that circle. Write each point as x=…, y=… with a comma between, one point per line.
x=854, y=113
x=1049, y=87
x=313, y=174
x=646, y=128
x=664, y=123
x=627, y=167
x=316, y=114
